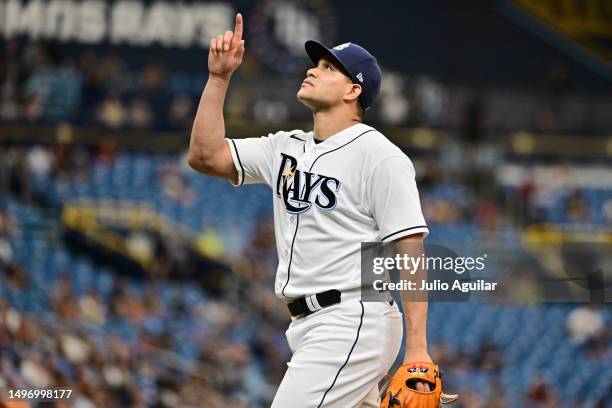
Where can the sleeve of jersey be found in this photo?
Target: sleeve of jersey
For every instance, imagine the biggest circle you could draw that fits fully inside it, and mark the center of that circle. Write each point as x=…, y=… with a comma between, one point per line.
x=253, y=159
x=395, y=199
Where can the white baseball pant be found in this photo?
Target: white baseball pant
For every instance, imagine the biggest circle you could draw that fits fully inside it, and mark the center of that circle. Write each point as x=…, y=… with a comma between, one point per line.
x=340, y=354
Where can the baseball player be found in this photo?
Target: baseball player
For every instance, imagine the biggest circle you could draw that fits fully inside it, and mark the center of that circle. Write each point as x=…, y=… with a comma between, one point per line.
x=332, y=188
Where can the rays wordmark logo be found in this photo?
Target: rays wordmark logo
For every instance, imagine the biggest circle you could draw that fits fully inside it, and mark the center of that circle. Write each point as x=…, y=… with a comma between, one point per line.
x=299, y=190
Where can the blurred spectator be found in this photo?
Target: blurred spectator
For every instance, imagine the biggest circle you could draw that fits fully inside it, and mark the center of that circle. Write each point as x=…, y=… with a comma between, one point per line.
x=524, y=196
x=92, y=308
x=431, y=101
x=270, y=111
x=14, y=176
x=487, y=215
x=33, y=108
x=8, y=231
x=586, y=323
x=394, y=106
x=107, y=150
x=152, y=88
x=8, y=225
x=80, y=166
x=139, y=246
x=16, y=277
x=153, y=78
x=443, y=211
x=473, y=127
x=576, y=208
x=9, y=108
x=471, y=399
x=139, y=114
x=111, y=112
x=39, y=161
x=488, y=357
x=210, y=244
x=540, y=396
x=175, y=185
x=9, y=87
x=6, y=252
x=607, y=211
x=180, y=114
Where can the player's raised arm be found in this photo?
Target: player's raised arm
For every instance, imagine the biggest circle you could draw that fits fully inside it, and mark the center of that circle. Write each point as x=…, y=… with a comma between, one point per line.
x=208, y=151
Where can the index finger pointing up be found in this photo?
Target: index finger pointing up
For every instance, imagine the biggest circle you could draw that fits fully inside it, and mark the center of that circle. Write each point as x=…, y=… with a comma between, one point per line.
x=237, y=31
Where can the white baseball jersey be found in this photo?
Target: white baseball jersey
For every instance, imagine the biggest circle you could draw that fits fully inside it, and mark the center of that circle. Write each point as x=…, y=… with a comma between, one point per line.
x=330, y=196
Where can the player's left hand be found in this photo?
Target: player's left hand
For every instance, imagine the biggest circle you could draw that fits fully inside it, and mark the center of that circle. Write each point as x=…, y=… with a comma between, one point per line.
x=406, y=389
x=226, y=51
x=421, y=356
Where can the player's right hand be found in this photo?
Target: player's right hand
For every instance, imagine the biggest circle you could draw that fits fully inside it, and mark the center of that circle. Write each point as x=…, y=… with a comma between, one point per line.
x=226, y=51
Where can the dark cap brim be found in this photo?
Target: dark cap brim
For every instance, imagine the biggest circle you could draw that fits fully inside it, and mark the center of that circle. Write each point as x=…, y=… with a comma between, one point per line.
x=316, y=51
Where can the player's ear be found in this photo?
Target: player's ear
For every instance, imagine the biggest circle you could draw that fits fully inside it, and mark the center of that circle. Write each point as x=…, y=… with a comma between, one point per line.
x=353, y=92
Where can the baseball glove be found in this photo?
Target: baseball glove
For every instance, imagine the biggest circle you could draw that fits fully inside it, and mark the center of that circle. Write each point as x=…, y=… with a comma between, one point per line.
x=401, y=390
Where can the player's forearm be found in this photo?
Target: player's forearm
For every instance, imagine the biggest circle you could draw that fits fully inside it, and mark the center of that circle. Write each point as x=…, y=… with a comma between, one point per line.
x=415, y=303
x=208, y=132
x=415, y=316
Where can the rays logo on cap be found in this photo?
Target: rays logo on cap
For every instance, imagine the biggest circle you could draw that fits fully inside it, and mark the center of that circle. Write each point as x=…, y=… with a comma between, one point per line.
x=359, y=77
x=341, y=46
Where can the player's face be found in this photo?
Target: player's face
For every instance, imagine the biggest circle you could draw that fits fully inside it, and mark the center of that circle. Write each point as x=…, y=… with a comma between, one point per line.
x=325, y=86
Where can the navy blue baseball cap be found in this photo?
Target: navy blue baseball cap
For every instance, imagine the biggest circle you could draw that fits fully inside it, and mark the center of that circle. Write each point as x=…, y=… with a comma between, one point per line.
x=358, y=64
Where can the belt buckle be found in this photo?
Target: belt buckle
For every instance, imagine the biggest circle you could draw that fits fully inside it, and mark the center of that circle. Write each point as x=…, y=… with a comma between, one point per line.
x=299, y=316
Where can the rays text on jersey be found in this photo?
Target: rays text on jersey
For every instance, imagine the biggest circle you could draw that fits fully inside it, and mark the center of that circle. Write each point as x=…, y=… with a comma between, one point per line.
x=299, y=189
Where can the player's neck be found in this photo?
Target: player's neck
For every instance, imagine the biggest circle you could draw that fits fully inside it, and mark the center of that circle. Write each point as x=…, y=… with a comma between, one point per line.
x=327, y=124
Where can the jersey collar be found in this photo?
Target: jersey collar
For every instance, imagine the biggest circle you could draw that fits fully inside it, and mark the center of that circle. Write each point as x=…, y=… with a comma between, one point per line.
x=337, y=140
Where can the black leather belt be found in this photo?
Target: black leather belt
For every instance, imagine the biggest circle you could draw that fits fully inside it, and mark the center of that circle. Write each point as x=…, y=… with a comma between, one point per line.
x=307, y=305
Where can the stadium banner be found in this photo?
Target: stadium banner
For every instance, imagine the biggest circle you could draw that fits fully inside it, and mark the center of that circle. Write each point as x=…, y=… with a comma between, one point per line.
x=137, y=23
x=276, y=30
